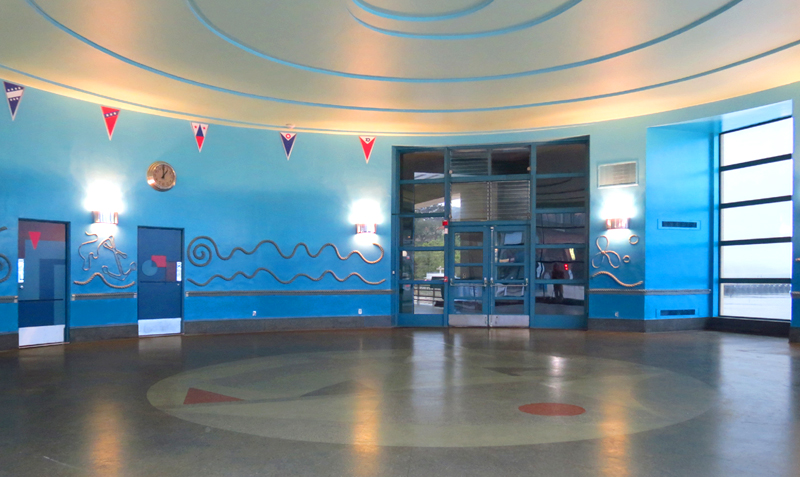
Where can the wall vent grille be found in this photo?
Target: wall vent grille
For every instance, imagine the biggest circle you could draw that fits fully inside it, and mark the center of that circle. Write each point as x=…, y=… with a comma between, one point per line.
x=678, y=312
x=619, y=174
x=678, y=224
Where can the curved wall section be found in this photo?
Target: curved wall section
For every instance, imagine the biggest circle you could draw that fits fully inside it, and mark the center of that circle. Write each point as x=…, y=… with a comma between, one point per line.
x=241, y=191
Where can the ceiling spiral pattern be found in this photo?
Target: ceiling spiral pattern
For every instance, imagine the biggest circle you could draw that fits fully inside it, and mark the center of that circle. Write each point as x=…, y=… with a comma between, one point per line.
x=401, y=66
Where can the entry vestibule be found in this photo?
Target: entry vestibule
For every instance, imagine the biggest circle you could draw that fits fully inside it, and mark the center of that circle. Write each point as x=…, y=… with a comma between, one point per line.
x=492, y=235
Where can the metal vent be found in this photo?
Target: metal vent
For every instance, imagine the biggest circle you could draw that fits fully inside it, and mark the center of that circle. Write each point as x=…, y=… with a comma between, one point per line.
x=619, y=174
x=678, y=312
x=677, y=224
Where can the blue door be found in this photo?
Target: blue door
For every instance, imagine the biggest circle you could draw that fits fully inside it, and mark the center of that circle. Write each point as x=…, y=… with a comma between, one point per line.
x=42, y=282
x=160, y=281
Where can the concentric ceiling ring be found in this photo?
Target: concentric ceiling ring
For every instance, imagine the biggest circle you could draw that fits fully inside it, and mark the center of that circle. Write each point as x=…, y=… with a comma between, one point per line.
x=471, y=35
x=506, y=107
x=211, y=26
x=397, y=15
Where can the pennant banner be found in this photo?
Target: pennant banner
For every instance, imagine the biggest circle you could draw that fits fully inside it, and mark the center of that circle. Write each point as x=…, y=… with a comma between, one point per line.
x=200, y=131
x=288, y=143
x=366, y=144
x=14, y=94
x=110, y=115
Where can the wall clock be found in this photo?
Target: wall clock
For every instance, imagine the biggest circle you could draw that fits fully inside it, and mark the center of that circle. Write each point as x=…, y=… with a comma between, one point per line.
x=161, y=176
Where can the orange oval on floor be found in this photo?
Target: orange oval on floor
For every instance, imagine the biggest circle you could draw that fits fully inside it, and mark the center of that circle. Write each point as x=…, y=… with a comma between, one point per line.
x=552, y=409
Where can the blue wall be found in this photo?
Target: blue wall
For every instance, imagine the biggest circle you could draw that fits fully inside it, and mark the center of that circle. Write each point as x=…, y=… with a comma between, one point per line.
x=241, y=190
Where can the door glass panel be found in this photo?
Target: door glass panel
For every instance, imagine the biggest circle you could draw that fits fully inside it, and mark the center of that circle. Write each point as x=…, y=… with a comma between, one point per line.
x=561, y=228
x=510, y=290
x=421, y=165
x=561, y=192
x=428, y=232
x=507, y=161
x=511, y=200
x=562, y=158
x=510, y=272
x=421, y=265
x=757, y=300
x=511, y=238
x=469, y=201
x=406, y=231
x=560, y=263
x=511, y=255
x=557, y=299
x=422, y=198
x=467, y=307
x=467, y=299
x=469, y=256
x=509, y=307
x=469, y=239
x=757, y=182
x=422, y=299
x=468, y=273
x=469, y=162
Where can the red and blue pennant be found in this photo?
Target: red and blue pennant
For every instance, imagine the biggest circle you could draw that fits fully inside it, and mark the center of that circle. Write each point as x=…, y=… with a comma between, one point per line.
x=288, y=143
x=366, y=144
x=110, y=116
x=14, y=94
x=200, y=131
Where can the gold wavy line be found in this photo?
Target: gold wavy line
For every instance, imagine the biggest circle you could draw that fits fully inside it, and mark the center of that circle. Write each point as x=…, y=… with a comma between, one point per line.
x=200, y=251
x=617, y=279
x=261, y=269
x=97, y=274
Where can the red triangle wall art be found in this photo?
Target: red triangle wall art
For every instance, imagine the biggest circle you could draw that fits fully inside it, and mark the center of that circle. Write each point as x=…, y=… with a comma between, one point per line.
x=110, y=116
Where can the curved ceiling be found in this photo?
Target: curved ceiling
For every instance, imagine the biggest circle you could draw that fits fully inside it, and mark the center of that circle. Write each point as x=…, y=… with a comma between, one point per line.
x=401, y=66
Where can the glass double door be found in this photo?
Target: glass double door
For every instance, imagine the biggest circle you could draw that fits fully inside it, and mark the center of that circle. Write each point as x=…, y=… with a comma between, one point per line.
x=489, y=273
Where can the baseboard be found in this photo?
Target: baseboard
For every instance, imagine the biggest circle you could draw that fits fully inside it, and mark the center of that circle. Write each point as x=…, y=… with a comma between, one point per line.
x=778, y=329
x=647, y=326
x=794, y=335
x=100, y=333
x=256, y=325
x=9, y=341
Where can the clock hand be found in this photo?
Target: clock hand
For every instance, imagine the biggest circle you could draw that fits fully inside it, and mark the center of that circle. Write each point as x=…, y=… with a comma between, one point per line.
x=164, y=168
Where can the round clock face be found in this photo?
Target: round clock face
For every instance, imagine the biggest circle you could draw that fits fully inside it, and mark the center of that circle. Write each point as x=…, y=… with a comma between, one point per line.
x=161, y=176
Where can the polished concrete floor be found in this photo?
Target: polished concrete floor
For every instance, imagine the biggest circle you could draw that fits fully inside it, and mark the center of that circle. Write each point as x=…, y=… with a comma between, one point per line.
x=405, y=403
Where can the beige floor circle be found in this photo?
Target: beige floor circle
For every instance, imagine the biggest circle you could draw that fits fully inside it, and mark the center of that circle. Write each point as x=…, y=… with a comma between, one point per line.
x=431, y=397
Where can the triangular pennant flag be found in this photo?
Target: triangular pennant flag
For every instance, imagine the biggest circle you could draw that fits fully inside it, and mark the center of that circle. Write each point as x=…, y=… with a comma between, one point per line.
x=200, y=131
x=288, y=143
x=366, y=144
x=14, y=94
x=110, y=116
x=35, y=236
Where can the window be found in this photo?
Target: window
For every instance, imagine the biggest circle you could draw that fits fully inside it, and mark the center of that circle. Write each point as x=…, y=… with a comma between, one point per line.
x=756, y=183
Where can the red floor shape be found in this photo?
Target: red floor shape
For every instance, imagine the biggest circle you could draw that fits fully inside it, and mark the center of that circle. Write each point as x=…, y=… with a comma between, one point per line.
x=198, y=396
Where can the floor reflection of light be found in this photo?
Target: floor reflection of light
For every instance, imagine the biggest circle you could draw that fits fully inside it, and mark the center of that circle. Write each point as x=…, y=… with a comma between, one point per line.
x=614, y=450
x=105, y=428
x=366, y=435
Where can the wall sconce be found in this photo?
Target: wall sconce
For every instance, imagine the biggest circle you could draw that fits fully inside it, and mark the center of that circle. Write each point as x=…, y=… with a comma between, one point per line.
x=617, y=224
x=366, y=228
x=105, y=217
x=104, y=200
x=366, y=215
x=617, y=211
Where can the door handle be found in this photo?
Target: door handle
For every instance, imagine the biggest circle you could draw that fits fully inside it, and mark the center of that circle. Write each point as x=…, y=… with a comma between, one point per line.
x=485, y=282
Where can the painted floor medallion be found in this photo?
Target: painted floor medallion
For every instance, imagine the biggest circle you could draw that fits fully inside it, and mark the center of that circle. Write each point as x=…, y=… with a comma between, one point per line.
x=436, y=397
